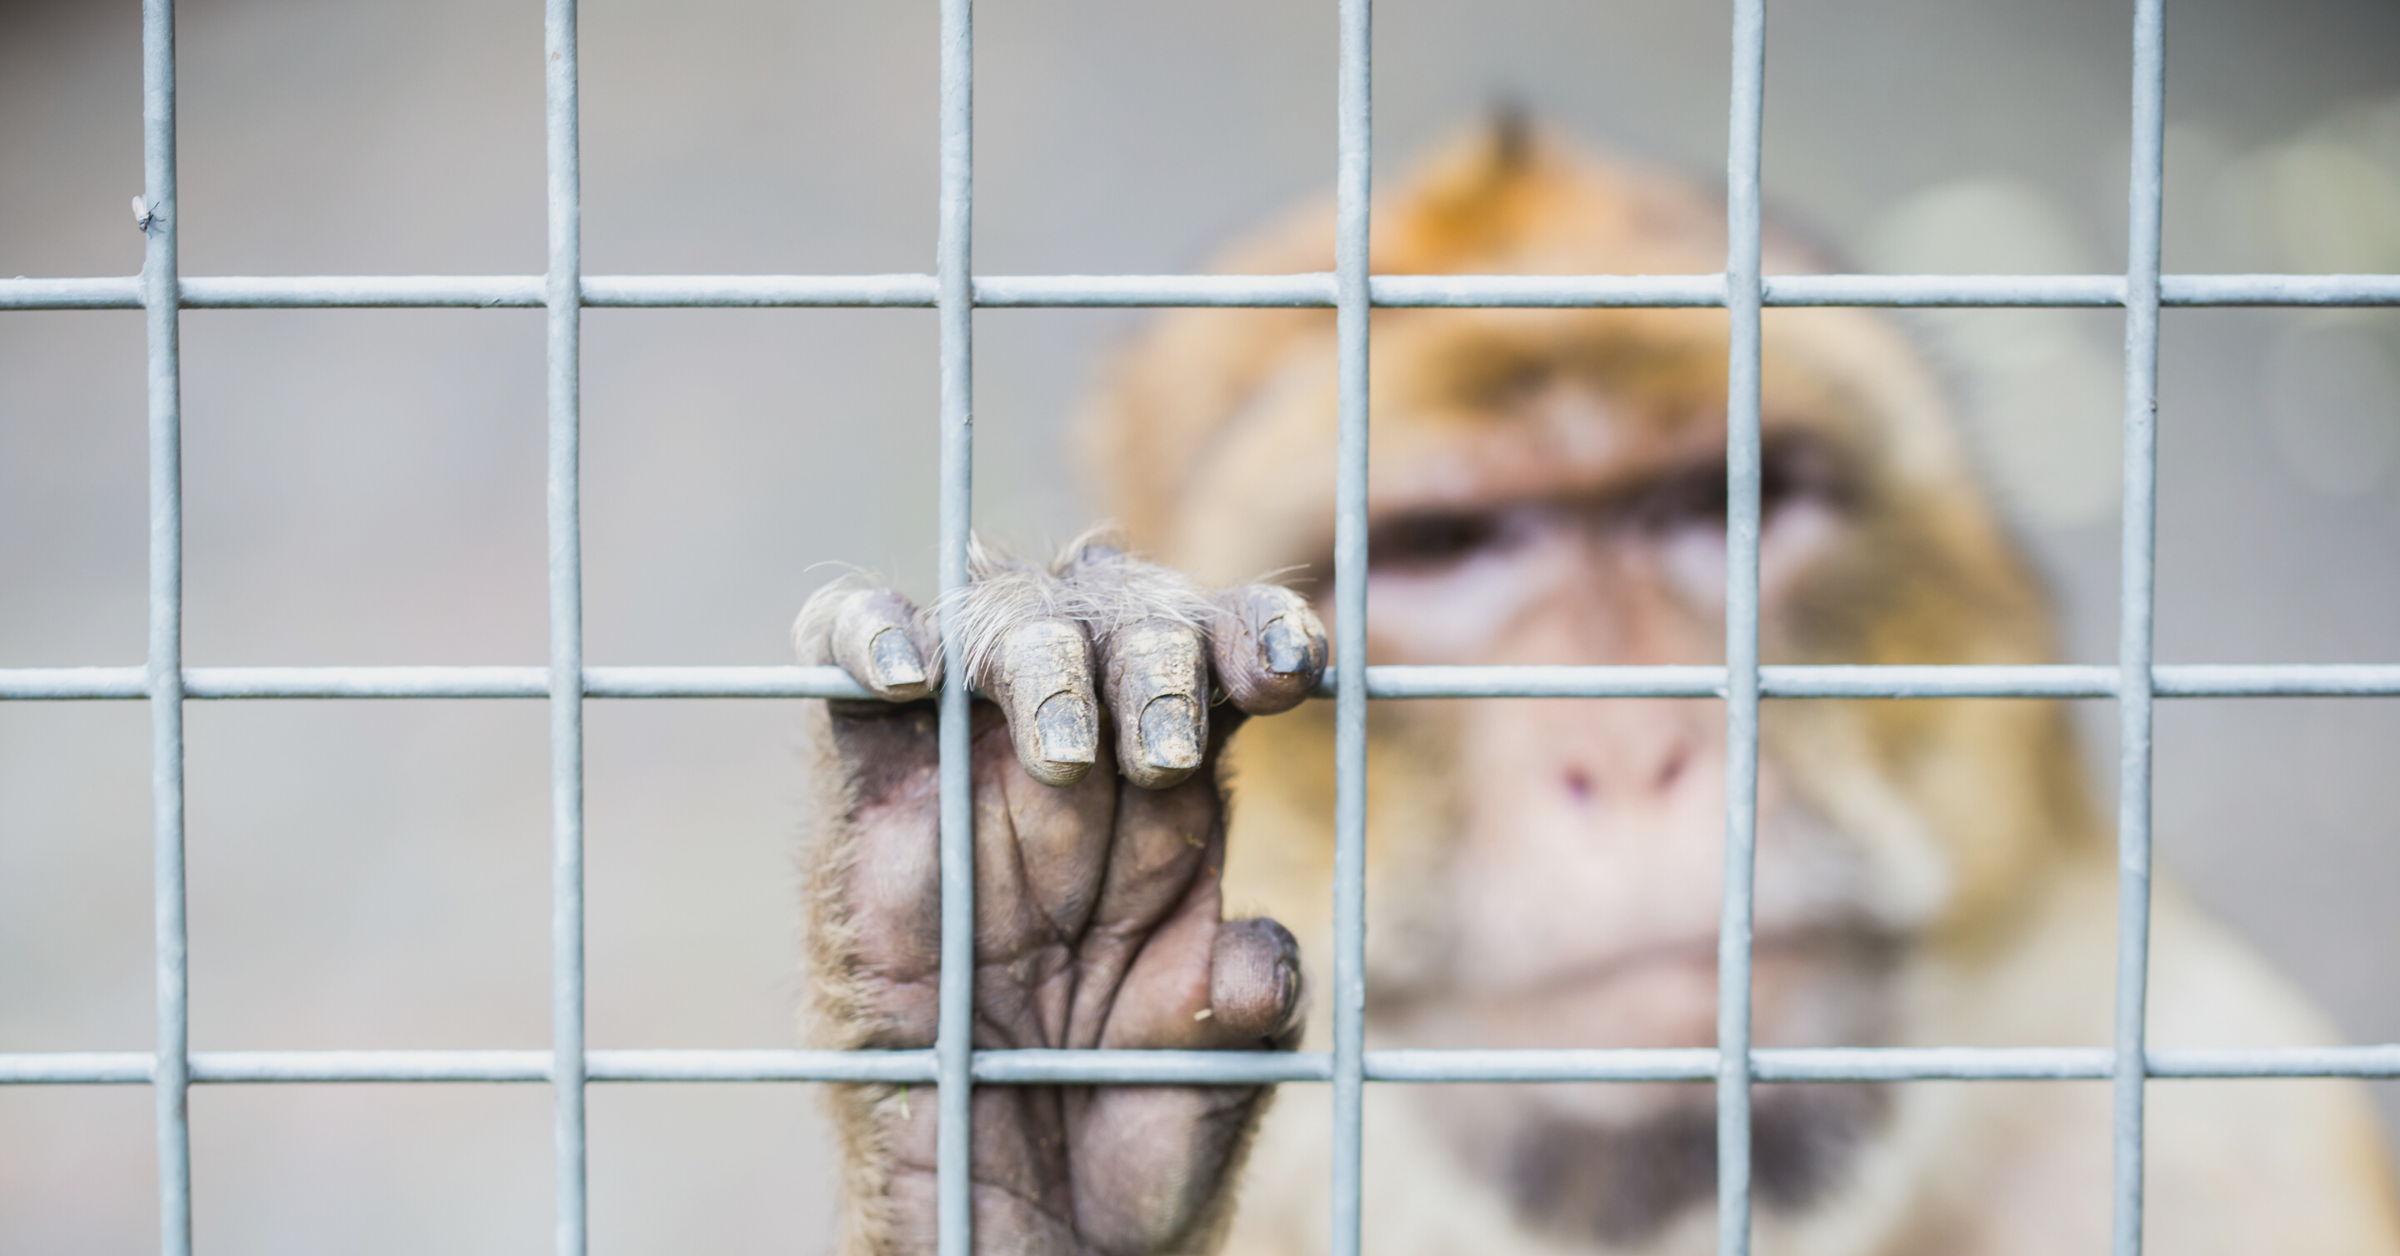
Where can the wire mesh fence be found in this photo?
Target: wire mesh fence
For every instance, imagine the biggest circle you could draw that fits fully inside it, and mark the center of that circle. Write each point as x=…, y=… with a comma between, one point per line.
x=955, y=292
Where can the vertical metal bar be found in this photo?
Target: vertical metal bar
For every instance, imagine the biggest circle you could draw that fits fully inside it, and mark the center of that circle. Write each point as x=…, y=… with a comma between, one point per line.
x=955, y=303
x=1353, y=191
x=172, y=1074
x=1742, y=302
x=563, y=294
x=2136, y=600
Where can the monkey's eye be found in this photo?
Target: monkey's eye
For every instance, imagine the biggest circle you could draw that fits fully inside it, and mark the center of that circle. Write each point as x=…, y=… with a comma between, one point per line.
x=1695, y=498
x=1430, y=539
x=1796, y=469
x=1791, y=470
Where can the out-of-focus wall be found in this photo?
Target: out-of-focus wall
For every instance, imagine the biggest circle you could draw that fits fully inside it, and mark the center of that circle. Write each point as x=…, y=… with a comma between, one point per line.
x=365, y=487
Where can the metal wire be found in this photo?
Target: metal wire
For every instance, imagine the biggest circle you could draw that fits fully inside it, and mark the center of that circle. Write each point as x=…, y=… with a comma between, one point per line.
x=1384, y=682
x=1181, y=1068
x=163, y=678
x=1744, y=293
x=563, y=286
x=2135, y=605
x=1354, y=186
x=954, y=1033
x=1161, y=291
x=2135, y=682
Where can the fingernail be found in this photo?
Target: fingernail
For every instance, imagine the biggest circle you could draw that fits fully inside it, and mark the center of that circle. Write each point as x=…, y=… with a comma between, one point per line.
x=1066, y=730
x=1171, y=732
x=1283, y=646
x=895, y=659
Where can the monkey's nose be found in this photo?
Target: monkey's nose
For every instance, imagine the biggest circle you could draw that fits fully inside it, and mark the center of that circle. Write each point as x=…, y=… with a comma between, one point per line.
x=1645, y=769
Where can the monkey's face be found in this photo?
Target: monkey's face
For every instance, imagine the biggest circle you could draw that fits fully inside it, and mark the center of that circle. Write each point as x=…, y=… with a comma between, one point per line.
x=1550, y=489
x=1567, y=890
x=1582, y=844
x=1570, y=518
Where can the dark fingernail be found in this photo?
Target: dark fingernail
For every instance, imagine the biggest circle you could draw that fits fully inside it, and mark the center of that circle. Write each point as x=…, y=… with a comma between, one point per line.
x=1284, y=647
x=1171, y=732
x=895, y=659
x=1065, y=730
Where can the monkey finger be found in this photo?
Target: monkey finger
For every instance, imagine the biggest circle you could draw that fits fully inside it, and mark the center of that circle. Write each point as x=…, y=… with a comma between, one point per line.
x=885, y=644
x=1040, y=672
x=1268, y=647
x=1158, y=690
x=1255, y=992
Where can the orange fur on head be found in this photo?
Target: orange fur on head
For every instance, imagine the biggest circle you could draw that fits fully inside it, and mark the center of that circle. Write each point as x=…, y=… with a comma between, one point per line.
x=1212, y=407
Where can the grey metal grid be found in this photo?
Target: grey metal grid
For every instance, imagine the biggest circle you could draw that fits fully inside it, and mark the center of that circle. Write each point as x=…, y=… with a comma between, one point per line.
x=955, y=292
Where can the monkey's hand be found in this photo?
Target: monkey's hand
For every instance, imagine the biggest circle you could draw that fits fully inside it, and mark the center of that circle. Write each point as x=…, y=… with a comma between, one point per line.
x=1110, y=687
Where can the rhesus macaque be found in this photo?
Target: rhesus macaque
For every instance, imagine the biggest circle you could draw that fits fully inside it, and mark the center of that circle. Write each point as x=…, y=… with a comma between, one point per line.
x=1547, y=486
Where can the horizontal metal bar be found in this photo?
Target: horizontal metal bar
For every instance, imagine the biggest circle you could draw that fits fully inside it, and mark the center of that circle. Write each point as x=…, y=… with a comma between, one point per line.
x=1542, y=1065
x=1546, y=291
x=1845, y=681
x=759, y=1065
x=1247, y=291
x=112, y=293
x=1709, y=682
x=1179, y=1068
x=366, y=682
x=1253, y=291
x=2276, y=680
x=1945, y=291
x=66, y=683
x=1908, y=1064
x=2040, y=681
x=758, y=291
x=2208, y=680
x=475, y=1066
x=2223, y=290
x=77, y=1068
x=2365, y=1061
x=721, y=682
x=370, y=1066
x=1390, y=681
x=73, y=683
x=1170, y=1068
x=322, y=292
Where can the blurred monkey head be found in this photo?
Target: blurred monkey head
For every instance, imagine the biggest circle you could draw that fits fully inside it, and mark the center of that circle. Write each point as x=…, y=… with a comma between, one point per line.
x=1547, y=486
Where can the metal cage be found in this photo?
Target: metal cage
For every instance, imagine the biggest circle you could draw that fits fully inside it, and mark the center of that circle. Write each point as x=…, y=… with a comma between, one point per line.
x=955, y=291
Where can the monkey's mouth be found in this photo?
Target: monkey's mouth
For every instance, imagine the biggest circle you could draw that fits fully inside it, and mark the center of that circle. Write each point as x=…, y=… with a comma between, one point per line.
x=1812, y=985
x=1618, y=1162
x=1693, y=955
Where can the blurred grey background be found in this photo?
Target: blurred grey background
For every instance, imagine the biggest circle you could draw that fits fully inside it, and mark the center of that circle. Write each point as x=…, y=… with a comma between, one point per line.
x=365, y=487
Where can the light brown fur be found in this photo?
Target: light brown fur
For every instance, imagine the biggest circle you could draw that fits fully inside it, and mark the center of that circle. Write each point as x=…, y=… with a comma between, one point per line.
x=1215, y=445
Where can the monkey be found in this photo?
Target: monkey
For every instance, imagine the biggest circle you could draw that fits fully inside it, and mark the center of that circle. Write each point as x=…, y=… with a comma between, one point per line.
x=1153, y=797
